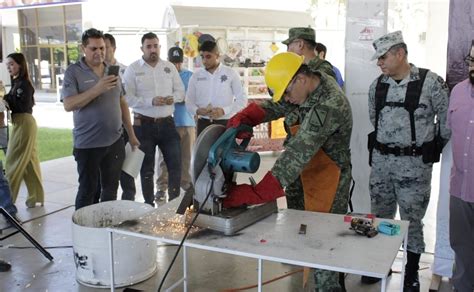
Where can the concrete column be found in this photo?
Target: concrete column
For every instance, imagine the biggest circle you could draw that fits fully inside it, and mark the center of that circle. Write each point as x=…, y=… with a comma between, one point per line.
x=365, y=21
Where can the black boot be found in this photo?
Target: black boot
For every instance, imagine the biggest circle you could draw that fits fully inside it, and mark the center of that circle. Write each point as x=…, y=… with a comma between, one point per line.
x=342, y=282
x=411, y=282
x=4, y=266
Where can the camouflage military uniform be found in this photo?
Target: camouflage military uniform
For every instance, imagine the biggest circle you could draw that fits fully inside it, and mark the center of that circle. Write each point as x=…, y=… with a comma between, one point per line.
x=406, y=180
x=322, y=65
x=325, y=120
x=308, y=34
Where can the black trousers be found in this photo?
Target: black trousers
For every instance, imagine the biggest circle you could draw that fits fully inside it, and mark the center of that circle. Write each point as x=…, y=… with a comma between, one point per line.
x=127, y=182
x=204, y=123
x=104, y=163
x=461, y=237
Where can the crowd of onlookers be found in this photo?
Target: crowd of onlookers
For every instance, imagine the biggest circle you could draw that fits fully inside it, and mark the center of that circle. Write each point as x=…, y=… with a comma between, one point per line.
x=412, y=111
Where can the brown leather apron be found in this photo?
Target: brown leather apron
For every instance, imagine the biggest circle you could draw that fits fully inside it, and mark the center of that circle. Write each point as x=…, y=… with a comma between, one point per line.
x=320, y=179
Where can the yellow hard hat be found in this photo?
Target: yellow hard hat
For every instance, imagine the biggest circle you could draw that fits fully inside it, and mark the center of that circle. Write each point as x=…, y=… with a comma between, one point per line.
x=279, y=72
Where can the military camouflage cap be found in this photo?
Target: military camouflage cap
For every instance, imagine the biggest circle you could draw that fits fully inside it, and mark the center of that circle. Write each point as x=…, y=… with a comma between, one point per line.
x=384, y=43
x=305, y=33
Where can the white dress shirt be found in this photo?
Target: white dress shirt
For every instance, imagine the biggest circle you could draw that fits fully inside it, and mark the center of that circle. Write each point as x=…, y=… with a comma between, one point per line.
x=219, y=89
x=144, y=82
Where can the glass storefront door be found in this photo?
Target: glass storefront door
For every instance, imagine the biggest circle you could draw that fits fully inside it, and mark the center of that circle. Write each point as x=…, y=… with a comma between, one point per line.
x=50, y=40
x=52, y=63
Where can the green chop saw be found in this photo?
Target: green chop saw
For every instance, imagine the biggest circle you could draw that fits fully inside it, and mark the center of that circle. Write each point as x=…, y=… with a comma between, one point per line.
x=215, y=161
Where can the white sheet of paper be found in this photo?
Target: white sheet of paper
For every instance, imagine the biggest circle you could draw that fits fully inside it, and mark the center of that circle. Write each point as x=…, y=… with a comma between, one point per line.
x=133, y=160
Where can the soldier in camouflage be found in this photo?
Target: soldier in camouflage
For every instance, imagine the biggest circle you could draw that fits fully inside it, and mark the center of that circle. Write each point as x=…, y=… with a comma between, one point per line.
x=321, y=120
x=398, y=175
x=302, y=41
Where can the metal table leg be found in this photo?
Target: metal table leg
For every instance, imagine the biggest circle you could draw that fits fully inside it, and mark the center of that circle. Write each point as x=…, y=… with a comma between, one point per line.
x=402, y=278
x=183, y=279
x=111, y=254
x=259, y=275
x=185, y=269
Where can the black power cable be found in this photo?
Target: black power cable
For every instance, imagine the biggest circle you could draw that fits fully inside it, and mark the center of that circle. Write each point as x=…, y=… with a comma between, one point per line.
x=187, y=231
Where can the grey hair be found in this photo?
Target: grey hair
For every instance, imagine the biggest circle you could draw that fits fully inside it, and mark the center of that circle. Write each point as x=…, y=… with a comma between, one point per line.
x=395, y=48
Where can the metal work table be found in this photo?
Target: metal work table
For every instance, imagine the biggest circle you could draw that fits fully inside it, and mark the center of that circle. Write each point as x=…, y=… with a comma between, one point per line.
x=328, y=243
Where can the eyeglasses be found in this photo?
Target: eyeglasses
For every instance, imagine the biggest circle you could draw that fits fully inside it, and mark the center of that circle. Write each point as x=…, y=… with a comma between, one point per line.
x=287, y=90
x=469, y=60
x=294, y=41
x=290, y=85
x=92, y=33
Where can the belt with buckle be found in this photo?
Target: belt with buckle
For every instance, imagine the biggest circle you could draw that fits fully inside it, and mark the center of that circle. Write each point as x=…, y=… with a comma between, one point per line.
x=397, y=151
x=150, y=120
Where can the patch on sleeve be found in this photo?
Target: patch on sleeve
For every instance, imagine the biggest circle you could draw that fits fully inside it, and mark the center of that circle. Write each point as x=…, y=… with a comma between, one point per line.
x=318, y=117
x=315, y=120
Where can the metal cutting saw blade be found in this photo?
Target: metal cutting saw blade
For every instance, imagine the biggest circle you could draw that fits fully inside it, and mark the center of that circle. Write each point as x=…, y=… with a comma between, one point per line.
x=228, y=221
x=201, y=149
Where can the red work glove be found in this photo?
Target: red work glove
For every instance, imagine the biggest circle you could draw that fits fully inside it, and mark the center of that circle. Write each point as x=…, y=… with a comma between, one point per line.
x=268, y=189
x=252, y=115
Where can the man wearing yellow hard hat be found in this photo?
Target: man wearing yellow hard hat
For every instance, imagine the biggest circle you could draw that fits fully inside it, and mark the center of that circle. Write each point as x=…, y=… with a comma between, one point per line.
x=314, y=170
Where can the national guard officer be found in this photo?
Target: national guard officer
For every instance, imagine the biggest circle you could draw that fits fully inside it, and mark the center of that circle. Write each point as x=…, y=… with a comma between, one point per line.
x=315, y=166
x=403, y=103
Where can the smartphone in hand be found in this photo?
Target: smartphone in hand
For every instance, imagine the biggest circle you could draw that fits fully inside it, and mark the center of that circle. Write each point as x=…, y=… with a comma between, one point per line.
x=112, y=70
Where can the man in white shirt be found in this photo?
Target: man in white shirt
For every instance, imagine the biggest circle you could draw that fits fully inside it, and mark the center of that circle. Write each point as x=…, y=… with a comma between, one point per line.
x=215, y=92
x=152, y=86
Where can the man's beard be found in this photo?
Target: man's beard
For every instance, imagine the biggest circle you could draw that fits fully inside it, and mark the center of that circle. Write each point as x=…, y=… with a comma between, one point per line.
x=471, y=76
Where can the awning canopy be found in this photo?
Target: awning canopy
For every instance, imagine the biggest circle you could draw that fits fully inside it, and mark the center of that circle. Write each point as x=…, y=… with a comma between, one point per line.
x=239, y=17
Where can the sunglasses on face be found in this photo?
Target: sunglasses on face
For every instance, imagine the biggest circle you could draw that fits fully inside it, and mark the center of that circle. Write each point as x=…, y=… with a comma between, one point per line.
x=92, y=33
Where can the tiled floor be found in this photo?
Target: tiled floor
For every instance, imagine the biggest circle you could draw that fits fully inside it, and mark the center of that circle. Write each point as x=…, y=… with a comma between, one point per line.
x=51, y=226
x=32, y=272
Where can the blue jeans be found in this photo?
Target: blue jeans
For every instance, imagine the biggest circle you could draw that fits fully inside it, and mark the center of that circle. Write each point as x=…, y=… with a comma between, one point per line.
x=163, y=134
x=104, y=163
x=5, y=194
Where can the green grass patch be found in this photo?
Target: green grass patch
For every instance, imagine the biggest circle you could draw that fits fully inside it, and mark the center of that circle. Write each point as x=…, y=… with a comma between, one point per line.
x=52, y=144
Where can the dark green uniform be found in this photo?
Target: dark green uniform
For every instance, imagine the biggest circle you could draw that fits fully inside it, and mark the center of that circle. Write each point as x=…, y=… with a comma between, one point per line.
x=322, y=65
